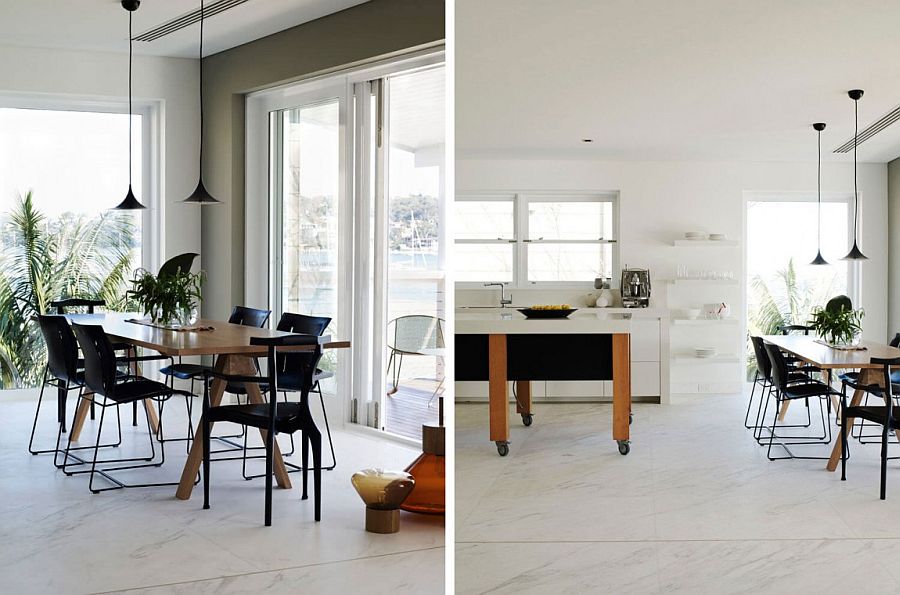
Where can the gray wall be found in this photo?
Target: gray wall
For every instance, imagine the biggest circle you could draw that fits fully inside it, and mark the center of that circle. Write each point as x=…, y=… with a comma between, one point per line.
x=893, y=247
x=363, y=32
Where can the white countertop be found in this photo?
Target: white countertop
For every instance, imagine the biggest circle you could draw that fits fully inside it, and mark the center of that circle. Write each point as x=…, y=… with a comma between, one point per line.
x=511, y=322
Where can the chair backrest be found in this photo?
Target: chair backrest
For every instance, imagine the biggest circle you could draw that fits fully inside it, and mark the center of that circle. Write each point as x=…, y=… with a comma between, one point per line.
x=786, y=329
x=779, y=366
x=61, y=306
x=182, y=262
x=99, y=358
x=62, y=349
x=895, y=342
x=301, y=363
x=301, y=324
x=887, y=364
x=249, y=316
x=416, y=332
x=762, y=358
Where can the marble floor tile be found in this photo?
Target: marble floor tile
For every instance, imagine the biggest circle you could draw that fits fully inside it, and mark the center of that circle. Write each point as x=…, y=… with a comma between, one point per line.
x=57, y=537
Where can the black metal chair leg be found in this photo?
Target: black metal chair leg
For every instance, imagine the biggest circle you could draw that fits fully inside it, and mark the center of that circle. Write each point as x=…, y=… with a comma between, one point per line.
x=270, y=449
x=884, y=448
x=134, y=408
x=36, y=413
x=328, y=431
x=844, y=446
x=315, y=438
x=304, y=450
x=750, y=402
x=96, y=449
x=206, y=430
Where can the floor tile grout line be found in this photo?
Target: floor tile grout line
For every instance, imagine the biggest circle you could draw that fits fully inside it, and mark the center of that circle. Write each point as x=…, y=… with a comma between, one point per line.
x=660, y=541
x=259, y=572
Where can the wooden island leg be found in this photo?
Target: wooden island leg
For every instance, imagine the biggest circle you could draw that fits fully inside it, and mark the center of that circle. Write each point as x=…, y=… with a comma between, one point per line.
x=497, y=391
x=523, y=401
x=621, y=364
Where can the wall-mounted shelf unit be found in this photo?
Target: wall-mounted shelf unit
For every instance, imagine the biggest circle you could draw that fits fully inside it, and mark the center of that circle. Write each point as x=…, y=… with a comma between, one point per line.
x=703, y=281
x=688, y=358
x=703, y=321
x=704, y=243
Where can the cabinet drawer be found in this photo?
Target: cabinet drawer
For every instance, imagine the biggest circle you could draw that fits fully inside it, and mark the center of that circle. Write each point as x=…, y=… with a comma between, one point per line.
x=644, y=340
x=645, y=379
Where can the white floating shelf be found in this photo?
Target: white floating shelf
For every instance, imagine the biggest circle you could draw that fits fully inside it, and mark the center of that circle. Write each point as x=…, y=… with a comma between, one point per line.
x=716, y=359
x=704, y=243
x=703, y=282
x=702, y=321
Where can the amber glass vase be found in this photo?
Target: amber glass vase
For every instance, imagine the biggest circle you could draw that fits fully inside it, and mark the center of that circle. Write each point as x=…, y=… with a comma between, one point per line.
x=428, y=494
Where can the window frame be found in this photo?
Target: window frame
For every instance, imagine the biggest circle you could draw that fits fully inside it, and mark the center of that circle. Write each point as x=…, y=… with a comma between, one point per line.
x=153, y=217
x=521, y=239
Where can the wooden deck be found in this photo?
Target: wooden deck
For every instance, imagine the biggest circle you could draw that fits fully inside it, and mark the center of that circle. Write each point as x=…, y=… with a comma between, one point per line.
x=407, y=409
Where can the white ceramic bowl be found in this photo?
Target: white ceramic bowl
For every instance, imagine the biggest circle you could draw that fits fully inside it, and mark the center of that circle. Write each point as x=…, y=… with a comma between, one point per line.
x=689, y=313
x=696, y=235
x=717, y=237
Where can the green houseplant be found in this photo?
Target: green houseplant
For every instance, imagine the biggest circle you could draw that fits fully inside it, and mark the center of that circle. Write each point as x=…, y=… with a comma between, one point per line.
x=169, y=299
x=838, y=323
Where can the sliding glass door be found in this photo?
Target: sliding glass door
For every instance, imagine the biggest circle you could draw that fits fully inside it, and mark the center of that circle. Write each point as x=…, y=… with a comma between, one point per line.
x=353, y=167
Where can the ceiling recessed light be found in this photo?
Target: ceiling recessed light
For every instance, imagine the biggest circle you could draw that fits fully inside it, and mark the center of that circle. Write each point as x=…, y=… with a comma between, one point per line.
x=587, y=140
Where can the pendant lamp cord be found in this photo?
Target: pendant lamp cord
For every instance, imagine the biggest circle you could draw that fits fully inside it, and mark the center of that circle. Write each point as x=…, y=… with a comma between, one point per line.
x=200, y=173
x=819, y=192
x=855, y=191
x=130, y=49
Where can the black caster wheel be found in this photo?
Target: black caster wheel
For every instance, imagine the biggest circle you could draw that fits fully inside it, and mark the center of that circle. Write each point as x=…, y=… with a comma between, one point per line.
x=624, y=447
x=630, y=418
x=503, y=448
x=527, y=419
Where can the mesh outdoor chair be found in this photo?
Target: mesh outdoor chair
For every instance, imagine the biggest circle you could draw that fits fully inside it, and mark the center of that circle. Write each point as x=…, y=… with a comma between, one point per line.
x=413, y=335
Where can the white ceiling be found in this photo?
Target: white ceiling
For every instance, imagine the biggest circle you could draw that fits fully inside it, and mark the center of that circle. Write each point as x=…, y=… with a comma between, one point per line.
x=674, y=80
x=103, y=24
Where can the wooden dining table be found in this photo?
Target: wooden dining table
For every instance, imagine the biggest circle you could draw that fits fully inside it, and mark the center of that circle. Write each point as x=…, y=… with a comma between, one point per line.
x=229, y=343
x=808, y=349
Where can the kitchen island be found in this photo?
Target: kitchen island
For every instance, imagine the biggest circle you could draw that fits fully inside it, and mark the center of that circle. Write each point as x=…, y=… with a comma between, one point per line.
x=505, y=346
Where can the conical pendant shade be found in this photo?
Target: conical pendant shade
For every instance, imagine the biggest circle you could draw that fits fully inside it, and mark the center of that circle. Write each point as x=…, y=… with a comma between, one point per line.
x=201, y=196
x=130, y=202
x=855, y=253
x=818, y=259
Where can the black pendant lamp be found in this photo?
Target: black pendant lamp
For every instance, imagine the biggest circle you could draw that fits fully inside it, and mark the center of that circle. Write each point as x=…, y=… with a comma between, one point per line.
x=855, y=253
x=819, y=127
x=130, y=202
x=201, y=196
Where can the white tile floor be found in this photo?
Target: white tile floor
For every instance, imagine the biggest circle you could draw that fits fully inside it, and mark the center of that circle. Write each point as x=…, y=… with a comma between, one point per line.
x=57, y=537
x=695, y=508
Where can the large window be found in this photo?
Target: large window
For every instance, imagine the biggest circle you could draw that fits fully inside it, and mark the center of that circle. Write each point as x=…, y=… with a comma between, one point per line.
x=60, y=173
x=532, y=239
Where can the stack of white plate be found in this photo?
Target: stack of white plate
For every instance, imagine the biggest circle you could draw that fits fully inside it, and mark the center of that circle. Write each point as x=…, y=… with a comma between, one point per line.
x=717, y=237
x=705, y=351
x=696, y=235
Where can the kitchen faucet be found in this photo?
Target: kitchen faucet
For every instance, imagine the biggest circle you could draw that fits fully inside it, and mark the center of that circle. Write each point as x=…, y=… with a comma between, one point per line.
x=503, y=301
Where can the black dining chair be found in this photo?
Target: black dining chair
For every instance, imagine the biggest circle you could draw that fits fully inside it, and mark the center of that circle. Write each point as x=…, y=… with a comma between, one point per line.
x=763, y=379
x=793, y=361
x=100, y=377
x=86, y=305
x=786, y=392
x=881, y=414
x=851, y=379
x=64, y=372
x=289, y=383
x=274, y=416
x=242, y=315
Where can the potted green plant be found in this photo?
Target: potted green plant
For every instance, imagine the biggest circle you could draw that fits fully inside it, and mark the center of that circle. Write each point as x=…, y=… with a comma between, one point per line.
x=838, y=324
x=169, y=300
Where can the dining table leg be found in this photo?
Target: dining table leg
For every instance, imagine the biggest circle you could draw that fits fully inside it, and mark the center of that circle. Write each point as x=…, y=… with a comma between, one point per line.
x=226, y=364
x=84, y=406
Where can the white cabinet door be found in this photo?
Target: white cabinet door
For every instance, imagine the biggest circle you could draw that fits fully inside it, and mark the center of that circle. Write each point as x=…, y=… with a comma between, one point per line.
x=644, y=340
x=645, y=379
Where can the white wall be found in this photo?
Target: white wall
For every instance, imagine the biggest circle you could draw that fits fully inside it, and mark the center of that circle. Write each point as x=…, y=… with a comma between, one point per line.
x=661, y=200
x=894, y=244
x=104, y=76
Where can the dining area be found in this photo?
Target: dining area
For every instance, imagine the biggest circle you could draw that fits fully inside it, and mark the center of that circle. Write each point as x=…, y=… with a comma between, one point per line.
x=814, y=397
